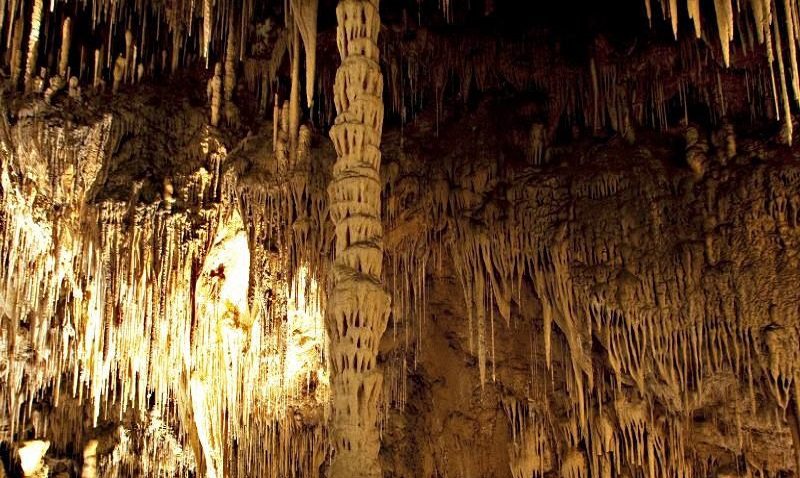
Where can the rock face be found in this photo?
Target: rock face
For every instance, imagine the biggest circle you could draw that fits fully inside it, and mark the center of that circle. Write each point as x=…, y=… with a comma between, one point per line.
x=560, y=258
x=609, y=310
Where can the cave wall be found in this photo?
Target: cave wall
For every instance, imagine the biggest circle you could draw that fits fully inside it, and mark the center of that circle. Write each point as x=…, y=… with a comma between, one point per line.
x=610, y=309
x=589, y=240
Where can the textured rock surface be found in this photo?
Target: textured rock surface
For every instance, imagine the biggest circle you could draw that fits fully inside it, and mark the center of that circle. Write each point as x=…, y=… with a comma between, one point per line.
x=561, y=257
x=610, y=310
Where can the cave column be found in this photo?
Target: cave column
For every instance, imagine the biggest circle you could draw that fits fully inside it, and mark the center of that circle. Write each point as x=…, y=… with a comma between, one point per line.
x=358, y=306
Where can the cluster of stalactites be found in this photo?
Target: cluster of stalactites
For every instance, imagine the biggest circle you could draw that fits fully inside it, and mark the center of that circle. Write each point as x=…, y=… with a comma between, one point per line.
x=86, y=264
x=128, y=65
x=158, y=38
x=656, y=314
x=775, y=24
x=221, y=86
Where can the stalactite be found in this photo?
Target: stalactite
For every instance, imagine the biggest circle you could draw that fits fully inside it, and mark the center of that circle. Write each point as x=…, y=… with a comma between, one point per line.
x=130, y=60
x=231, y=111
x=673, y=14
x=693, y=7
x=16, y=52
x=96, y=72
x=208, y=22
x=33, y=43
x=791, y=38
x=66, y=37
x=214, y=94
x=788, y=126
x=724, y=12
x=358, y=307
x=294, y=93
x=305, y=16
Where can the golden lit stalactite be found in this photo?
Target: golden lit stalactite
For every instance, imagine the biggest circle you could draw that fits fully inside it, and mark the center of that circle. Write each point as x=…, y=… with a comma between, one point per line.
x=208, y=22
x=33, y=43
x=16, y=52
x=673, y=13
x=129, y=55
x=231, y=111
x=694, y=14
x=214, y=93
x=788, y=8
x=725, y=27
x=305, y=17
x=143, y=275
x=97, y=75
x=66, y=37
x=788, y=126
x=358, y=306
x=294, y=94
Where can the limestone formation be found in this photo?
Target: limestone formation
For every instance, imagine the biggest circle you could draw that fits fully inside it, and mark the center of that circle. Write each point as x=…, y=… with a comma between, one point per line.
x=358, y=305
x=214, y=94
x=89, y=465
x=31, y=455
x=66, y=39
x=33, y=42
x=119, y=73
x=496, y=239
x=231, y=111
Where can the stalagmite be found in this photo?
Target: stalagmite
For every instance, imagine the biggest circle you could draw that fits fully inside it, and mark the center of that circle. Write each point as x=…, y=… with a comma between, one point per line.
x=536, y=149
x=89, y=466
x=37, y=83
x=118, y=74
x=358, y=306
x=696, y=151
x=31, y=456
x=57, y=83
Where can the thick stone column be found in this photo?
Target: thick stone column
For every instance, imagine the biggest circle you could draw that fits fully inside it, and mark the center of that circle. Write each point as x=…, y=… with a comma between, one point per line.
x=358, y=307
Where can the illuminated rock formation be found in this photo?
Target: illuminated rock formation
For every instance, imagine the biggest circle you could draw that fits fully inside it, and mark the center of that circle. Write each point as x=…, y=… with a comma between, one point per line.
x=358, y=307
x=569, y=250
x=31, y=456
x=33, y=42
